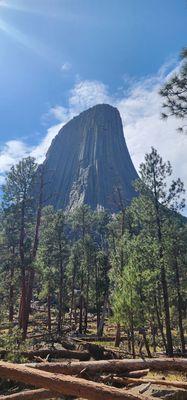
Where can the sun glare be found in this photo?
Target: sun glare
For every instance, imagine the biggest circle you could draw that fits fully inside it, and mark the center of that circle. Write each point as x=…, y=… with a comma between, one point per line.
x=25, y=8
x=28, y=42
x=15, y=6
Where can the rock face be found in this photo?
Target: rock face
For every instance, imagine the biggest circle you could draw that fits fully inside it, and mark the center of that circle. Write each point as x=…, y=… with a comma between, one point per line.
x=88, y=162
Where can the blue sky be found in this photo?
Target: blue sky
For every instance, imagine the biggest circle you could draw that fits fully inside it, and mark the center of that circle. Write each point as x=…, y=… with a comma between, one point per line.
x=58, y=57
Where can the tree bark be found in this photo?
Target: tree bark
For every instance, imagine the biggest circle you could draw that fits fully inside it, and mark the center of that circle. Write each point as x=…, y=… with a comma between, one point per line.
x=163, y=274
x=179, y=304
x=118, y=335
x=36, y=394
x=81, y=305
x=114, y=366
x=146, y=344
x=22, y=305
x=129, y=341
x=64, y=384
x=11, y=290
x=87, y=299
x=124, y=381
x=137, y=374
x=61, y=283
x=72, y=290
x=167, y=312
x=49, y=310
x=102, y=318
x=29, y=288
x=153, y=333
x=132, y=334
x=160, y=325
x=76, y=354
x=97, y=293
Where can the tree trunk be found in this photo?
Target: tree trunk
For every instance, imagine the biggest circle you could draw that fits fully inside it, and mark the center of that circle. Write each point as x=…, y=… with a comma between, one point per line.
x=36, y=394
x=118, y=335
x=163, y=274
x=102, y=318
x=167, y=312
x=97, y=292
x=49, y=311
x=125, y=381
x=87, y=300
x=29, y=288
x=61, y=283
x=72, y=291
x=132, y=336
x=146, y=343
x=113, y=366
x=64, y=384
x=160, y=325
x=11, y=291
x=137, y=374
x=154, y=332
x=81, y=305
x=179, y=305
x=56, y=353
x=22, y=304
x=129, y=341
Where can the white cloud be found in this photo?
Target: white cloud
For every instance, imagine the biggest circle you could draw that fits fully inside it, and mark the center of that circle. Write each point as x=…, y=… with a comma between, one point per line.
x=66, y=66
x=86, y=94
x=143, y=126
x=14, y=150
x=140, y=107
x=40, y=150
x=10, y=154
x=83, y=95
x=59, y=113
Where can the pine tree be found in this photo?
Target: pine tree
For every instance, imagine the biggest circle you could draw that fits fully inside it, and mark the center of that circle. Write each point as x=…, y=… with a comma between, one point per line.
x=154, y=176
x=174, y=93
x=17, y=192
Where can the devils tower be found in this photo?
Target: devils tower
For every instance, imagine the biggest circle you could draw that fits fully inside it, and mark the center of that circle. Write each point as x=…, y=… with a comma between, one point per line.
x=88, y=161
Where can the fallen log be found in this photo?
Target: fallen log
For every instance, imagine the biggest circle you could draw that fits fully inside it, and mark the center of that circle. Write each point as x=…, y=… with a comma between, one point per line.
x=99, y=352
x=137, y=374
x=125, y=381
x=134, y=374
x=97, y=338
x=96, y=351
x=54, y=353
x=113, y=366
x=64, y=384
x=36, y=394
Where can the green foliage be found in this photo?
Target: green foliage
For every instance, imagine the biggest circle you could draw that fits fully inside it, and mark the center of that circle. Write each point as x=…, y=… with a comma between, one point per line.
x=147, y=249
x=12, y=342
x=90, y=261
x=19, y=182
x=174, y=93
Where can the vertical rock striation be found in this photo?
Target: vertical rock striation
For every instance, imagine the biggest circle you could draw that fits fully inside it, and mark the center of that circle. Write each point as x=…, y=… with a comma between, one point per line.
x=88, y=161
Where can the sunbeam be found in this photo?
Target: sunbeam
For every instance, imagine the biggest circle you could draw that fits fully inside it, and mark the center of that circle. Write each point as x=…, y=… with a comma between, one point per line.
x=29, y=43
x=21, y=38
x=14, y=6
x=43, y=10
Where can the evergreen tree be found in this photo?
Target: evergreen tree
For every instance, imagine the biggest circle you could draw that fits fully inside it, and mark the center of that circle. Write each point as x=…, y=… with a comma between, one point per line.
x=17, y=193
x=153, y=185
x=174, y=93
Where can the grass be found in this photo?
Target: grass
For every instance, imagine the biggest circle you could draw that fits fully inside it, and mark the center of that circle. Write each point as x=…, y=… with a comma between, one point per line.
x=169, y=376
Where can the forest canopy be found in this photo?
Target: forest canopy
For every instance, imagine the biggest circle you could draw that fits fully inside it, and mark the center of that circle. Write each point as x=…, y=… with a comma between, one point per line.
x=128, y=268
